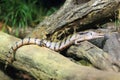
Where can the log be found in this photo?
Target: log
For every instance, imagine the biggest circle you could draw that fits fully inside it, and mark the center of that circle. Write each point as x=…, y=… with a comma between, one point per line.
x=72, y=17
x=95, y=55
x=46, y=64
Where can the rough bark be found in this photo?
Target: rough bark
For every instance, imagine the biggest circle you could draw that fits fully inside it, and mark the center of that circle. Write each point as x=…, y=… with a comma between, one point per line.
x=95, y=55
x=72, y=17
x=46, y=64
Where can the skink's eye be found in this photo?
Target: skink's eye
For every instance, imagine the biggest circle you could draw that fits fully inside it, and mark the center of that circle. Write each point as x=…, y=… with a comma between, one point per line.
x=90, y=33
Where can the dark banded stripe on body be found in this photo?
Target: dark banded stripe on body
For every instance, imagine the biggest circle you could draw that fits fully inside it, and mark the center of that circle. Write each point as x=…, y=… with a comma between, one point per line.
x=56, y=46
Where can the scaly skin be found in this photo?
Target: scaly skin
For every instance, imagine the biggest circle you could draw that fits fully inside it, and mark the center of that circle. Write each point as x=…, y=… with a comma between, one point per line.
x=56, y=46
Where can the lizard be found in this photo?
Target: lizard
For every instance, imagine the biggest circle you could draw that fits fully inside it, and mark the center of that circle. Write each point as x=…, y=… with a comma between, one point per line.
x=56, y=46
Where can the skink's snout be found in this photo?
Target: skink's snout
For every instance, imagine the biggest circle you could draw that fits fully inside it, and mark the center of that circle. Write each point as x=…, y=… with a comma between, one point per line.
x=99, y=35
x=88, y=35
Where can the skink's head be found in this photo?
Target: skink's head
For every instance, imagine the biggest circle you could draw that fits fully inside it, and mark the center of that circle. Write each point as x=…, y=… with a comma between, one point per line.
x=91, y=35
x=88, y=35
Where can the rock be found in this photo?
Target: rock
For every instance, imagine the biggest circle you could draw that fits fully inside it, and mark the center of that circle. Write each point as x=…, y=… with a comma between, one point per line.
x=112, y=45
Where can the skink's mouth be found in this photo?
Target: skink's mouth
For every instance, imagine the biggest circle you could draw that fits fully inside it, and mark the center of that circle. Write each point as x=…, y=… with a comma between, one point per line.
x=100, y=35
